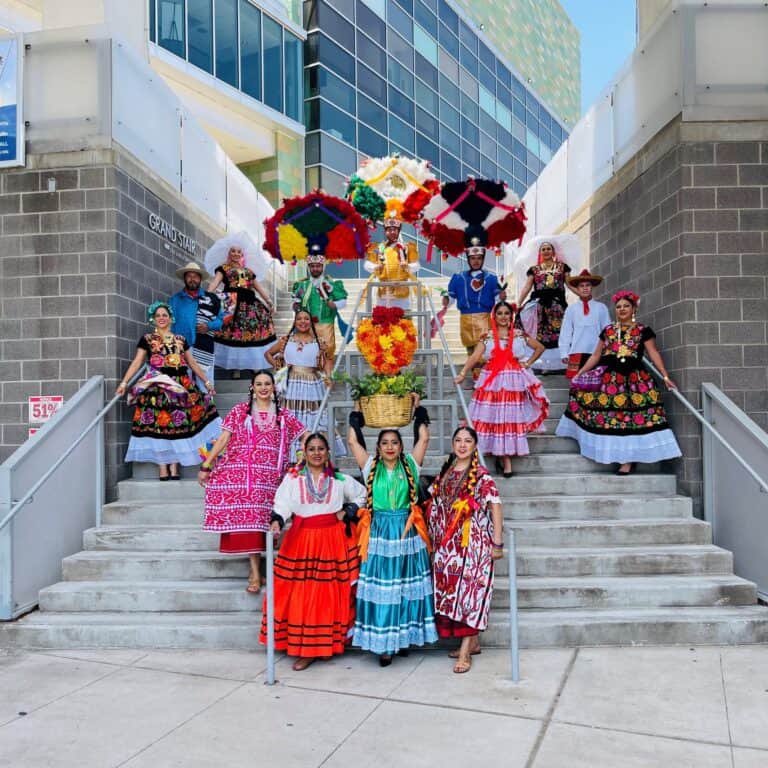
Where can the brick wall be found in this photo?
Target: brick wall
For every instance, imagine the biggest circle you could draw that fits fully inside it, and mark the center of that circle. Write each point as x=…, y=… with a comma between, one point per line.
x=688, y=230
x=78, y=267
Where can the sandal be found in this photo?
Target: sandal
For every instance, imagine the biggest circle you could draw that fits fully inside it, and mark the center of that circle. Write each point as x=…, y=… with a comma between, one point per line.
x=302, y=663
x=464, y=664
x=474, y=652
x=254, y=586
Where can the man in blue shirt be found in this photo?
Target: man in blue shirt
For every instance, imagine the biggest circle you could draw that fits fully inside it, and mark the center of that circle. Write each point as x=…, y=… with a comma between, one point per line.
x=196, y=314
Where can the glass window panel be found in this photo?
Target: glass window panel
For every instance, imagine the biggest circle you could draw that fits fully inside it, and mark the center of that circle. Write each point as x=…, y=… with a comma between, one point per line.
x=532, y=142
x=226, y=43
x=488, y=145
x=518, y=168
x=503, y=73
x=468, y=60
x=467, y=36
x=372, y=84
x=487, y=101
x=312, y=148
x=250, y=49
x=425, y=45
x=504, y=116
x=379, y=7
x=426, y=71
x=450, y=116
x=486, y=56
x=469, y=170
x=531, y=103
x=487, y=78
x=505, y=160
x=427, y=123
x=519, y=187
x=371, y=54
x=401, y=133
x=171, y=26
x=152, y=21
x=488, y=168
x=427, y=150
x=519, y=110
x=371, y=23
x=273, y=63
x=470, y=131
x=504, y=95
x=530, y=177
x=518, y=89
x=504, y=137
x=335, y=25
x=450, y=165
x=333, y=56
x=312, y=178
x=449, y=41
x=321, y=82
x=293, y=49
x=488, y=123
x=407, y=5
x=399, y=20
x=449, y=66
x=400, y=105
x=431, y=4
x=399, y=48
x=370, y=142
x=448, y=16
x=518, y=150
x=426, y=98
x=333, y=183
x=469, y=108
x=532, y=162
x=336, y=155
x=425, y=18
x=546, y=154
x=518, y=130
x=345, y=7
x=337, y=123
x=544, y=118
x=312, y=114
x=200, y=31
x=450, y=140
x=369, y=111
x=449, y=91
x=468, y=84
x=400, y=76
x=533, y=125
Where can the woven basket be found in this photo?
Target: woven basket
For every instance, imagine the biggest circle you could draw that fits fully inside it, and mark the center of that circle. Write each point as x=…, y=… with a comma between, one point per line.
x=387, y=410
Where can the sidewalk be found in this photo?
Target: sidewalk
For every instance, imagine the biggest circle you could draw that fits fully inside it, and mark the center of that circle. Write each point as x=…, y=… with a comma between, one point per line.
x=587, y=708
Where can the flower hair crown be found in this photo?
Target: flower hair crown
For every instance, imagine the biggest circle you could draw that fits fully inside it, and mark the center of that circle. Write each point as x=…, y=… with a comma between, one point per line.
x=152, y=308
x=630, y=296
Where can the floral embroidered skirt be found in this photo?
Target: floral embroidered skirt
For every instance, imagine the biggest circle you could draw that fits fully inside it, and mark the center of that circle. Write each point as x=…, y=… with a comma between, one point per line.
x=395, y=603
x=506, y=411
x=623, y=422
x=245, y=337
x=170, y=425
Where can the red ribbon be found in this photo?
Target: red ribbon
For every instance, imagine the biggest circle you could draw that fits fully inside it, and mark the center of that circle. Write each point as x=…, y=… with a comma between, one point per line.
x=585, y=305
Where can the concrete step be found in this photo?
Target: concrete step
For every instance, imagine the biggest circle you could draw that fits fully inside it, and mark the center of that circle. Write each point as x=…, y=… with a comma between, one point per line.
x=722, y=625
x=150, y=565
x=562, y=533
x=619, y=561
x=586, y=592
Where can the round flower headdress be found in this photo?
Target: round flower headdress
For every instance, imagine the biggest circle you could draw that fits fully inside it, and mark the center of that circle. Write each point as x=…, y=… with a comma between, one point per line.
x=630, y=296
x=152, y=308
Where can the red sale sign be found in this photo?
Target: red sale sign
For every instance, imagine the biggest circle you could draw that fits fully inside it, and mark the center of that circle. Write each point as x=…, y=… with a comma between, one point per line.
x=42, y=407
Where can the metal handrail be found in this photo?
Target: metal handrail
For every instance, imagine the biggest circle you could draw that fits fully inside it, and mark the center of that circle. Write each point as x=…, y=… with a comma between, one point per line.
x=690, y=407
x=79, y=439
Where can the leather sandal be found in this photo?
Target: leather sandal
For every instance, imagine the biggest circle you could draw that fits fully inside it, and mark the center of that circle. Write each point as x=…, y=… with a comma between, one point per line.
x=462, y=665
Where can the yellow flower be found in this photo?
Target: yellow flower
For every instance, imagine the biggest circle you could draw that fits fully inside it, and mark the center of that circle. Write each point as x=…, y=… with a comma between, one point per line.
x=602, y=399
x=385, y=342
x=398, y=334
x=588, y=398
x=619, y=400
x=653, y=395
x=637, y=398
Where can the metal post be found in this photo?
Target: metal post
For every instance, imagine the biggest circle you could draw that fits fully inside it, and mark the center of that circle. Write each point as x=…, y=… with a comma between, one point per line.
x=514, y=645
x=99, y=474
x=270, y=608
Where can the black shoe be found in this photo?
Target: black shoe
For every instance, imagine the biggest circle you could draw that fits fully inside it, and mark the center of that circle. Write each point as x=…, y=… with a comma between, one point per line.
x=627, y=472
x=384, y=660
x=507, y=474
x=404, y=652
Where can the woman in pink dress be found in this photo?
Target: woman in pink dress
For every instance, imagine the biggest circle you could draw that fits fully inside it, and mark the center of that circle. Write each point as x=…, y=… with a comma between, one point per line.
x=465, y=525
x=240, y=487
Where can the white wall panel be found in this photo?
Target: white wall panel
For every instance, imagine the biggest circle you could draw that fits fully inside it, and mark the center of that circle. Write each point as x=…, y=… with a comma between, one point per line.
x=204, y=173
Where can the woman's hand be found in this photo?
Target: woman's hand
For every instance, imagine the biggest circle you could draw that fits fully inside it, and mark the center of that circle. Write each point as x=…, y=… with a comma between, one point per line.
x=340, y=515
x=416, y=399
x=496, y=552
x=121, y=388
x=669, y=383
x=459, y=378
x=203, y=477
x=210, y=388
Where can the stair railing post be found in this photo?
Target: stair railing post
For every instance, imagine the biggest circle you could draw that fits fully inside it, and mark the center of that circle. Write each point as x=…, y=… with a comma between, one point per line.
x=270, y=608
x=514, y=644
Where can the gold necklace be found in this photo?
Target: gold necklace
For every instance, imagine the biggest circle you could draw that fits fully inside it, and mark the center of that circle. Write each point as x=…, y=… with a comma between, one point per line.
x=625, y=337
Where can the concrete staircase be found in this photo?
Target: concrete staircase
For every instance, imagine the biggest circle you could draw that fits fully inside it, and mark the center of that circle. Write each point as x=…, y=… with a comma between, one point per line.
x=601, y=560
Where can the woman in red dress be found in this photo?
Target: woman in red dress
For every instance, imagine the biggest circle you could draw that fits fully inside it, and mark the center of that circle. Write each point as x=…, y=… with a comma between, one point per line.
x=465, y=525
x=240, y=488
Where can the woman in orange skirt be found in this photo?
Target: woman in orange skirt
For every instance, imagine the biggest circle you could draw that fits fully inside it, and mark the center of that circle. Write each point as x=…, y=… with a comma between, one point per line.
x=317, y=566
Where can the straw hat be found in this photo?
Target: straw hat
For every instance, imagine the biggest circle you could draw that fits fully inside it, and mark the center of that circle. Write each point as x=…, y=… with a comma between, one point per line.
x=192, y=266
x=584, y=277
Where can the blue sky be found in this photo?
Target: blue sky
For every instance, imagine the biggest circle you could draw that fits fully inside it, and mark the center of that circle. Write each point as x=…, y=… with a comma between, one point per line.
x=607, y=30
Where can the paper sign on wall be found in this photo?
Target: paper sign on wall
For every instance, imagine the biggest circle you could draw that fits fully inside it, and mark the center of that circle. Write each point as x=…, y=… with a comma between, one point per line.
x=42, y=407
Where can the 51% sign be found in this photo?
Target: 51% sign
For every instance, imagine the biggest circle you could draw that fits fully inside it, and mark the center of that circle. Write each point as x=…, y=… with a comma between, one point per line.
x=42, y=407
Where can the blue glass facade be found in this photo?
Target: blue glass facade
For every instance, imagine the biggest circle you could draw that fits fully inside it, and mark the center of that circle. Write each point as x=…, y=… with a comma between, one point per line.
x=413, y=76
x=236, y=42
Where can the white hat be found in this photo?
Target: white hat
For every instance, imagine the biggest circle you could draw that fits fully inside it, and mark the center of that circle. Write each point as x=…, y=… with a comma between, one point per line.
x=192, y=266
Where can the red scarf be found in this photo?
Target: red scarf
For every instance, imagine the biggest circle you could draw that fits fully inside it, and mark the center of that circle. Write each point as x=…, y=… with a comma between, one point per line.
x=501, y=358
x=585, y=304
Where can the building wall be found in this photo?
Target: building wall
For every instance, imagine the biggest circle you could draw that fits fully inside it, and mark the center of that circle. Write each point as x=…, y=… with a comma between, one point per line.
x=539, y=39
x=78, y=267
x=685, y=225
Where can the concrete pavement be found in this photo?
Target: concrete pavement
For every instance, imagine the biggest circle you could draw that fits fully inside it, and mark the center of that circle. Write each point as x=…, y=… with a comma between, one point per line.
x=575, y=708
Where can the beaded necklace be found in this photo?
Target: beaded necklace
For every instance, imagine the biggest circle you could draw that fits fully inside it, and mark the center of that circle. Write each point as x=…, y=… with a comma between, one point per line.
x=319, y=494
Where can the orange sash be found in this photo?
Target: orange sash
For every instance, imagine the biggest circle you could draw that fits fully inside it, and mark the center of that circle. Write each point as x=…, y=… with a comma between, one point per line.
x=416, y=520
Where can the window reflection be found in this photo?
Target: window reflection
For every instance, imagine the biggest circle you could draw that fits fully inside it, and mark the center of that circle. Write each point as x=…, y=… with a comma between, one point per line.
x=200, y=30
x=273, y=63
x=250, y=49
x=226, y=41
x=171, y=26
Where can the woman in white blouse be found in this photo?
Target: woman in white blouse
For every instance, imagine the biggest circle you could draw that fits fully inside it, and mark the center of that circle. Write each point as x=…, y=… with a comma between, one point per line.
x=318, y=562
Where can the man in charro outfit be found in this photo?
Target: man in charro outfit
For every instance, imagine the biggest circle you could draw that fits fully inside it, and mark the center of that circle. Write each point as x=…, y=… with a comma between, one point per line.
x=322, y=297
x=393, y=261
x=475, y=291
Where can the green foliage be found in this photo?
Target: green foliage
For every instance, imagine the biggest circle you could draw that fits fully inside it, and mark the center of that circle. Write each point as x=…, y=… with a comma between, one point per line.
x=381, y=384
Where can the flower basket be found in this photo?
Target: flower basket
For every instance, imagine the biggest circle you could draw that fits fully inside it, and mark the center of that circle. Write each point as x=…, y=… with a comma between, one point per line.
x=387, y=410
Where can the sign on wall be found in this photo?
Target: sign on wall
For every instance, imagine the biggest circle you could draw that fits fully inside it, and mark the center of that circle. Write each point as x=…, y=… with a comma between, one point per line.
x=11, y=110
x=42, y=407
x=170, y=233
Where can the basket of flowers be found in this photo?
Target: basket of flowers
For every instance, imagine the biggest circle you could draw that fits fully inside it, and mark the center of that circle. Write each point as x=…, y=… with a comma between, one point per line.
x=385, y=400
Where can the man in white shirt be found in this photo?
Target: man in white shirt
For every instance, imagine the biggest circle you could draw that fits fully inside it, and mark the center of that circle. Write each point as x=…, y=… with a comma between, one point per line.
x=582, y=323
